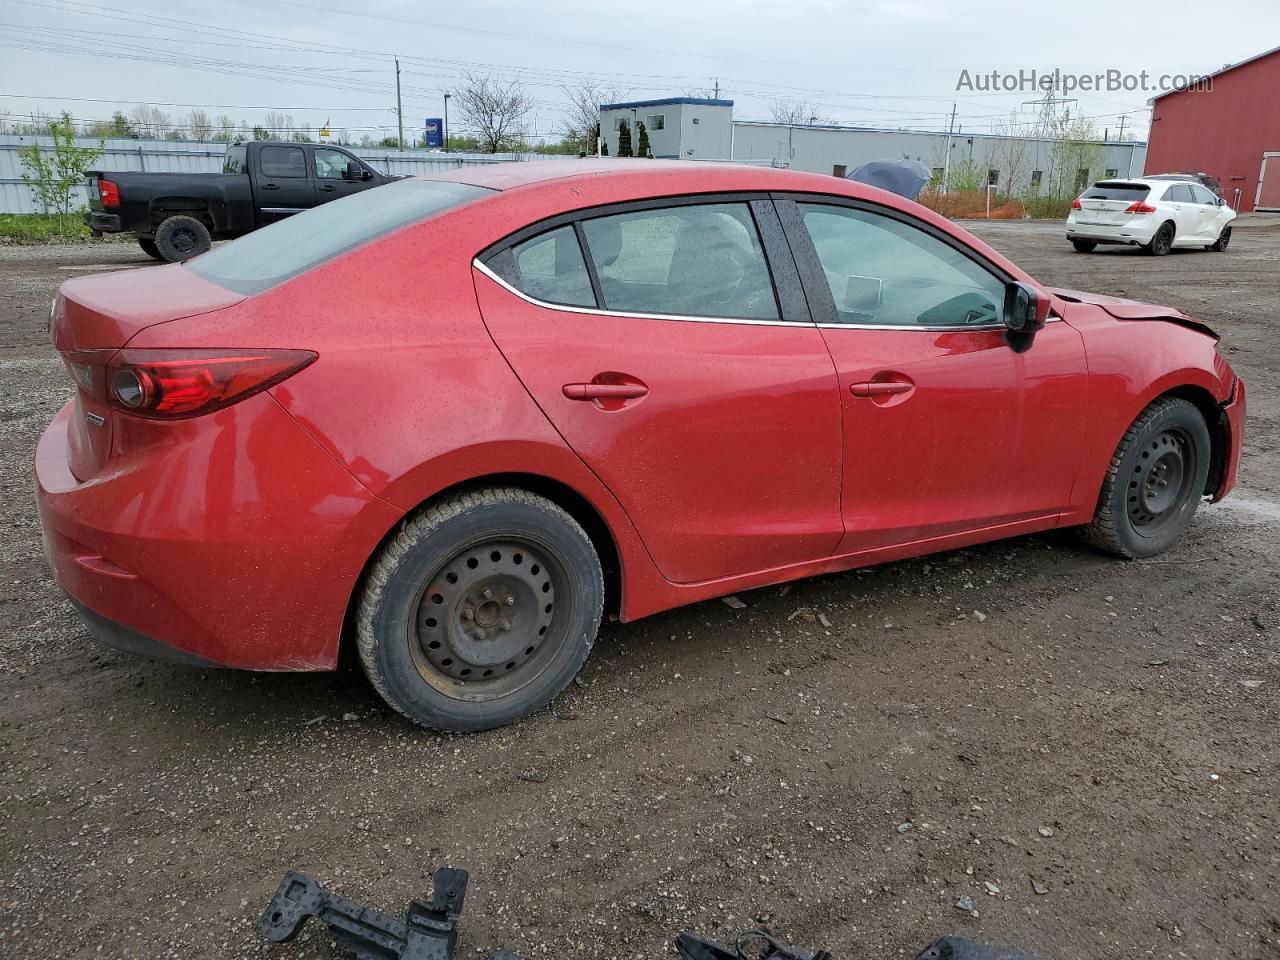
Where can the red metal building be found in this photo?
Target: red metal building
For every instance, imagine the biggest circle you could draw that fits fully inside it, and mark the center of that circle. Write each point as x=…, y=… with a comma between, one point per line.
x=1231, y=130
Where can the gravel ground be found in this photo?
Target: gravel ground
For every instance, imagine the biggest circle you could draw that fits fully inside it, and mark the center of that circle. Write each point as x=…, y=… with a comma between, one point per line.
x=991, y=723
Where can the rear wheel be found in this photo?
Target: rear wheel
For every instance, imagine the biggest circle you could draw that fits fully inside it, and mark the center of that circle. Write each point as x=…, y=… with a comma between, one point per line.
x=1224, y=238
x=149, y=248
x=1154, y=483
x=181, y=237
x=1162, y=242
x=1084, y=246
x=480, y=610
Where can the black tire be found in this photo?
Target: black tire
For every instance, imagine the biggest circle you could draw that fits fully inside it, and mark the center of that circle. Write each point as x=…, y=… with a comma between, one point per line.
x=1085, y=246
x=1224, y=238
x=1162, y=242
x=181, y=237
x=480, y=610
x=1154, y=482
x=149, y=248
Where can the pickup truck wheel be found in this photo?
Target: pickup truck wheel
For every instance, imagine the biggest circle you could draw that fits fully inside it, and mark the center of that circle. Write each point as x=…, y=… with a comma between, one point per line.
x=480, y=609
x=149, y=248
x=1154, y=482
x=181, y=237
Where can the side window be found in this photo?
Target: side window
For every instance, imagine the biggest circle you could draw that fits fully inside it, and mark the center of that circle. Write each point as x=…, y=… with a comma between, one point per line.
x=1202, y=195
x=885, y=272
x=1179, y=193
x=282, y=162
x=550, y=267
x=701, y=260
x=330, y=164
x=233, y=162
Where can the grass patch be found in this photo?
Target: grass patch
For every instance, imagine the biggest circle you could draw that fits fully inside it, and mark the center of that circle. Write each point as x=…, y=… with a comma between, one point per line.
x=37, y=228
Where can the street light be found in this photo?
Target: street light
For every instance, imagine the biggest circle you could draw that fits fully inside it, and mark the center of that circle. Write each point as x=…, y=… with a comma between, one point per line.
x=446, y=121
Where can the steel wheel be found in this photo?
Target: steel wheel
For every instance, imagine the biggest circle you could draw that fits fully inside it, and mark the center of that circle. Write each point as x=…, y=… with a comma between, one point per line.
x=1161, y=481
x=485, y=623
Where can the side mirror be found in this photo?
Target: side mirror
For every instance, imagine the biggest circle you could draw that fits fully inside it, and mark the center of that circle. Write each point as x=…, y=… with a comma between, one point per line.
x=1025, y=310
x=1221, y=202
x=356, y=172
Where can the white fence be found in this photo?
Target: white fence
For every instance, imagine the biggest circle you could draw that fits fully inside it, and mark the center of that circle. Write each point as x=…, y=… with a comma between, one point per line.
x=182, y=156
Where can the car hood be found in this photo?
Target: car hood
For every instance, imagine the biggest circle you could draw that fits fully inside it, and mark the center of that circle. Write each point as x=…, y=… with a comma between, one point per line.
x=1123, y=309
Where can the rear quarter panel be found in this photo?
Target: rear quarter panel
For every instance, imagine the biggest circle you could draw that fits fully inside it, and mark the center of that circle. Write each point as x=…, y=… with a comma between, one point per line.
x=1131, y=363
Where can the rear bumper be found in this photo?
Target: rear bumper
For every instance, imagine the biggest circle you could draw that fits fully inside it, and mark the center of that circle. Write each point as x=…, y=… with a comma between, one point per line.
x=103, y=222
x=1234, y=410
x=1135, y=233
x=231, y=540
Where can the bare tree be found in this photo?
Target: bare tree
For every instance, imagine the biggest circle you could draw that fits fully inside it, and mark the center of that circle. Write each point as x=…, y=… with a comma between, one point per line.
x=793, y=112
x=199, y=125
x=225, y=129
x=1011, y=155
x=582, y=116
x=279, y=124
x=150, y=121
x=493, y=110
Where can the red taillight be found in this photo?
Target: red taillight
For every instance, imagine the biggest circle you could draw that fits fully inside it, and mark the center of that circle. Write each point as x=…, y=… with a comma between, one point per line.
x=172, y=384
x=109, y=193
x=1140, y=207
x=1075, y=204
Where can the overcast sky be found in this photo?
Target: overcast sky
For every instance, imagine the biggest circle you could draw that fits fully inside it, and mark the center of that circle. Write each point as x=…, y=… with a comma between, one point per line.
x=877, y=62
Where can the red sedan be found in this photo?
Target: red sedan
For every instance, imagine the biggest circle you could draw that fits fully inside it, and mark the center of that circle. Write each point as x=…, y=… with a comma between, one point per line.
x=455, y=421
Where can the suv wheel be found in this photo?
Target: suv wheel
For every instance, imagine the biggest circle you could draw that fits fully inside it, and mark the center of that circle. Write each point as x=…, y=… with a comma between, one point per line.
x=1220, y=244
x=1084, y=246
x=480, y=610
x=1162, y=242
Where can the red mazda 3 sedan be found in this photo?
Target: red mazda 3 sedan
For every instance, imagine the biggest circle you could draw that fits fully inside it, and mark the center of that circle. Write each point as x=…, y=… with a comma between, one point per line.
x=456, y=420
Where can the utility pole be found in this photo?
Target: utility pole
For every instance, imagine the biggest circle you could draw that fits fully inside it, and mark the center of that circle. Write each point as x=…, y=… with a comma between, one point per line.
x=399, y=109
x=446, y=121
x=1120, y=135
x=716, y=88
x=946, y=163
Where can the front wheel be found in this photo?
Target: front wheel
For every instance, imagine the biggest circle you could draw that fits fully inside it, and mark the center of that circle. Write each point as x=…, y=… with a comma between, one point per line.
x=1154, y=483
x=480, y=610
x=1084, y=246
x=1220, y=244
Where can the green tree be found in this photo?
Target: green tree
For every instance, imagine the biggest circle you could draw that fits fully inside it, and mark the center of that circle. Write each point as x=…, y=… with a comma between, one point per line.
x=54, y=175
x=642, y=144
x=624, y=139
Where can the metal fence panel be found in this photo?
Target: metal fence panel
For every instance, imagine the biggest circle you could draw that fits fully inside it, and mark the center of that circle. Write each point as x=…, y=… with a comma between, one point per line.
x=181, y=156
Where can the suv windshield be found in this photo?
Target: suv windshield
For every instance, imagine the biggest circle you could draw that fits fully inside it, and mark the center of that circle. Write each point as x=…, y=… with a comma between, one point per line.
x=281, y=251
x=1117, y=191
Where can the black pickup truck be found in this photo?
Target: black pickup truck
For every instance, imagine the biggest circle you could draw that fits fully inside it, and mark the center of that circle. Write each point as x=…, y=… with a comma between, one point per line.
x=177, y=215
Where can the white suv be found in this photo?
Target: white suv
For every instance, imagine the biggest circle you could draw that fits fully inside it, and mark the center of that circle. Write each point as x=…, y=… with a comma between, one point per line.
x=1157, y=215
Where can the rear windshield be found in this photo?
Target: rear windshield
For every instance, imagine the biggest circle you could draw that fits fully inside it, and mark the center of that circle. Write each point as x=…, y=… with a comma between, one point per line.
x=1117, y=191
x=281, y=251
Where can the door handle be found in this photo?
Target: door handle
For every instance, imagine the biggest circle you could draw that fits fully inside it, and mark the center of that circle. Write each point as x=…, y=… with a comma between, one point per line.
x=880, y=388
x=270, y=186
x=328, y=187
x=604, y=391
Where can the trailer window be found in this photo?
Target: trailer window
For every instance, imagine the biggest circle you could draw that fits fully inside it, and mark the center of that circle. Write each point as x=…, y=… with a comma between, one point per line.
x=279, y=252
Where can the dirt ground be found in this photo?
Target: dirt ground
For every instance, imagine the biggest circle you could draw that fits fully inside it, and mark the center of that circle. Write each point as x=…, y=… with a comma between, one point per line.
x=972, y=722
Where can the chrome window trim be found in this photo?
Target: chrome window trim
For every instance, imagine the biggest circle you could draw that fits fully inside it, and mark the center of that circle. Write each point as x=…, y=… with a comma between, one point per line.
x=597, y=312
x=793, y=324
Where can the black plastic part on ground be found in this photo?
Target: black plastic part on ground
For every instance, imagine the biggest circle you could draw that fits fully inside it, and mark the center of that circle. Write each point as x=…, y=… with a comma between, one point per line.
x=956, y=948
x=428, y=931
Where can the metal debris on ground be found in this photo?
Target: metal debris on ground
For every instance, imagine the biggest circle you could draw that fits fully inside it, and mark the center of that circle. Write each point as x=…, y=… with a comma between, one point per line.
x=427, y=932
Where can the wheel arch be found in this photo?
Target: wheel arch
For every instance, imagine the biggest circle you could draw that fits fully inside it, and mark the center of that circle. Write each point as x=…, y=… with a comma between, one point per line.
x=573, y=502
x=1215, y=419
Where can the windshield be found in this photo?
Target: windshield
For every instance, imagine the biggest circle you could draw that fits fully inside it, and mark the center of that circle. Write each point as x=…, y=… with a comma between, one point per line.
x=281, y=251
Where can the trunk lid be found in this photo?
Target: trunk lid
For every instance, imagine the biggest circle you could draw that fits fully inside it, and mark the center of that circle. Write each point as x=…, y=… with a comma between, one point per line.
x=93, y=317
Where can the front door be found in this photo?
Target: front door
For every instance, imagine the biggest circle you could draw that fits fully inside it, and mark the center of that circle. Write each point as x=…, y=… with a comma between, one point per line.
x=332, y=177
x=666, y=362
x=947, y=429
x=282, y=184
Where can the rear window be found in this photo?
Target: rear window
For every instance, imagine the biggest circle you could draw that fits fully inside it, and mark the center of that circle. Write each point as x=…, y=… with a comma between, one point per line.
x=279, y=252
x=1117, y=191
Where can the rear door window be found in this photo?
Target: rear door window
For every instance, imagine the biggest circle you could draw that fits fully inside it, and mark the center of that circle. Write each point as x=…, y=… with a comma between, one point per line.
x=700, y=260
x=1179, y=193
x=1128, y=192
x=550, y=267
x=234, y=161
x=282, y=162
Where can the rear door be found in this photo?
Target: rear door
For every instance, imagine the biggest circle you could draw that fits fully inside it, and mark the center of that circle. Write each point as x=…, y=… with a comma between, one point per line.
x=698, y=391
x=1183, y=210
x=947, y=428
x=282, y=182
